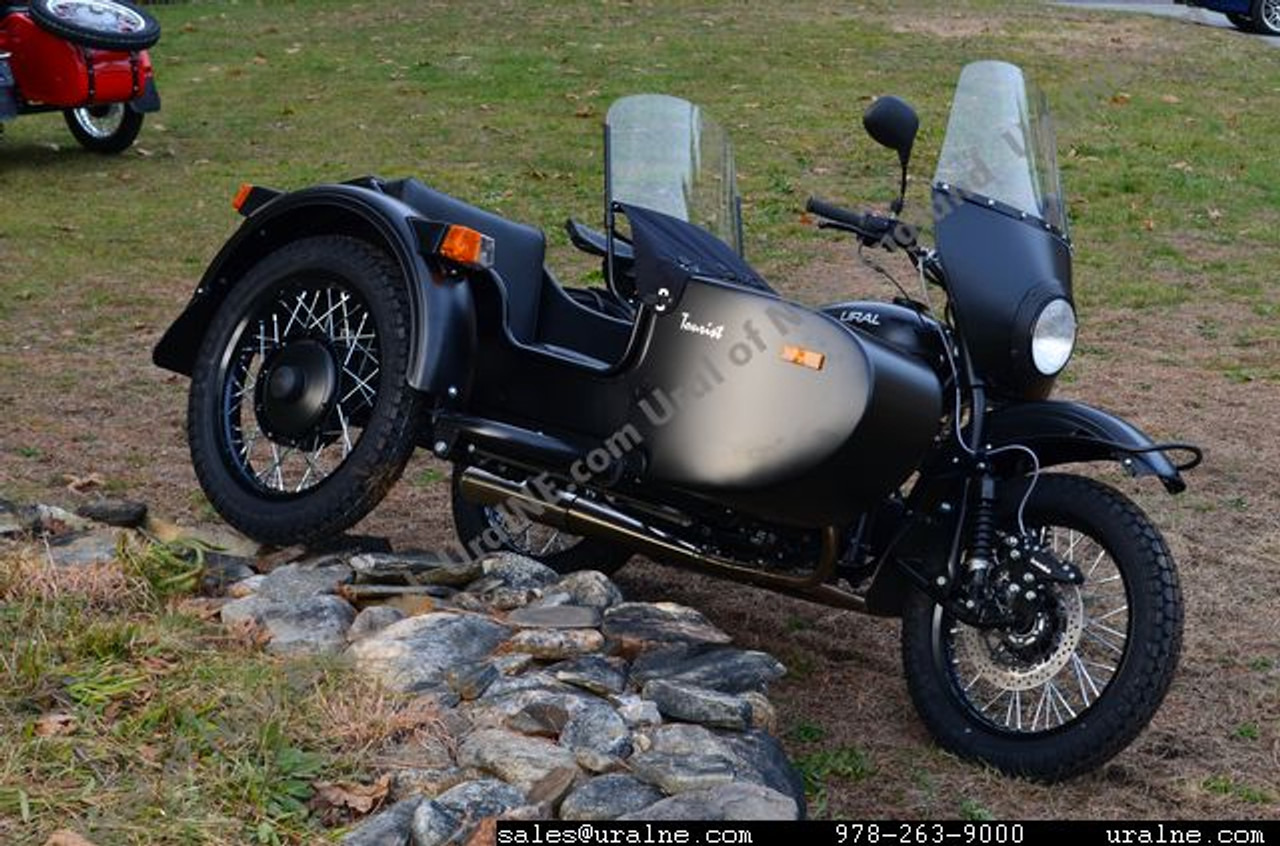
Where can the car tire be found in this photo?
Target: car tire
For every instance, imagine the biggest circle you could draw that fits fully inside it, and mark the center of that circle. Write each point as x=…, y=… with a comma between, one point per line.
x=1265, y=17
x=101, y=24
x=109, y=128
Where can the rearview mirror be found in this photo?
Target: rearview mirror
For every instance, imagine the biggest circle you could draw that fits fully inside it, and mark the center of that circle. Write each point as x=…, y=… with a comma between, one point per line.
x=892, y=123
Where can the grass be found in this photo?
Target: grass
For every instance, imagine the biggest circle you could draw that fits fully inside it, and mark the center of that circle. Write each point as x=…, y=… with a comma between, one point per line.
x=160, y=728
x=129, y=718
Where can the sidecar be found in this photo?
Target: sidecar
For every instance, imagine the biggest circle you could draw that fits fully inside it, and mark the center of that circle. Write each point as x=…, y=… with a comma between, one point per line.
x=87, y=60
x=699, y=388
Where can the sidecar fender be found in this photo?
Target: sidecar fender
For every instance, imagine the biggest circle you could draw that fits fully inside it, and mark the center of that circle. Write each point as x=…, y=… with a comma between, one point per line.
x=1065, y=432
x=443, y=315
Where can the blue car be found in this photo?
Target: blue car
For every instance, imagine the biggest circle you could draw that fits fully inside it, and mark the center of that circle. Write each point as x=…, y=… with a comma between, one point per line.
x=1250, y=15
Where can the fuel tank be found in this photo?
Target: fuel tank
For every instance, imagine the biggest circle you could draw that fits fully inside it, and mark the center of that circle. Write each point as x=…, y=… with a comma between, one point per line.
x=778, y=411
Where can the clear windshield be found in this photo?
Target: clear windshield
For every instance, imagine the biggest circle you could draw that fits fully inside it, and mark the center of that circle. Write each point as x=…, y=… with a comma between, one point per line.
x=1001, y=145
x=665, y=154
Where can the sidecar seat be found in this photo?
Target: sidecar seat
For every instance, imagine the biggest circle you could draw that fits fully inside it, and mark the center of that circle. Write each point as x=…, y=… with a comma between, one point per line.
x=518, y=258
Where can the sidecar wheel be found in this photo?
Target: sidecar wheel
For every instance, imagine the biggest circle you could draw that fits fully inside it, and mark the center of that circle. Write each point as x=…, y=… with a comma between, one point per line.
x=1076, y=687
x=110, y=128
x=300, y=418
x=484, y=528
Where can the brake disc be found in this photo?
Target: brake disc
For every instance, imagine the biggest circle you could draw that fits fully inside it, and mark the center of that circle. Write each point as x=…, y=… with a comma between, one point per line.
x=990, y=653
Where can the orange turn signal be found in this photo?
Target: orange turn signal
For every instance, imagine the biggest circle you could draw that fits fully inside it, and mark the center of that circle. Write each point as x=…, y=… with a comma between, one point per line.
x=467, y=246
x=804, y=358
x=241, y=196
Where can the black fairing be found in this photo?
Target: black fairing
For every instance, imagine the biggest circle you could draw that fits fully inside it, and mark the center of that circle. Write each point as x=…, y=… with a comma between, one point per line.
x=1002, y=269
x=905, y=329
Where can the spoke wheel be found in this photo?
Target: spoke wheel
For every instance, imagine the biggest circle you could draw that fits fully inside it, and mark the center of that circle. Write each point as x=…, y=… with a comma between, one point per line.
x=1076, y=681
x=300, y=417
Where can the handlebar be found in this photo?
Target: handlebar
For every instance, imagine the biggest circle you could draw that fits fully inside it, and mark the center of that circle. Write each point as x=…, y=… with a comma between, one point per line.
x=871, y=229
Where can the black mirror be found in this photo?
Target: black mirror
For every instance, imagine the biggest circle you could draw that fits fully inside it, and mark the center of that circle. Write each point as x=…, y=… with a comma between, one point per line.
x=892, y=123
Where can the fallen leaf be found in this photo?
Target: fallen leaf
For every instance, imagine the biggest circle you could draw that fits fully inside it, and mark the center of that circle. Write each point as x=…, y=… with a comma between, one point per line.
x=1149, y=225
x=334, y=799
x=585, y=111
x=55, y=725
x=1215, y=214
x=63, y=837
x=1171, y=98
x=1120, y=99
x=83, y=484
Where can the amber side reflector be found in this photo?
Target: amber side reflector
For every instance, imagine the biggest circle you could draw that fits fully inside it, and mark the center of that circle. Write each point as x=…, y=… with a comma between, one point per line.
x=804, y=358
x=467, y=246
x=241, y=196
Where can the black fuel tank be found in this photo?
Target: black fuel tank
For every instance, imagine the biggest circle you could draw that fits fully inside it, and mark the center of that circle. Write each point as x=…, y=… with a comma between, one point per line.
x=778, y=411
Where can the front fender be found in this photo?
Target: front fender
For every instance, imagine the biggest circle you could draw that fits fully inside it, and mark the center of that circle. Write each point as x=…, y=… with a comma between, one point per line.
x=443, y=316
x=1064, y=432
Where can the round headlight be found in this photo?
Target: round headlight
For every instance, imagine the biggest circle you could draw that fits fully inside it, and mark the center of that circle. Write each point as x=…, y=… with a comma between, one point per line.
x=1054, y=337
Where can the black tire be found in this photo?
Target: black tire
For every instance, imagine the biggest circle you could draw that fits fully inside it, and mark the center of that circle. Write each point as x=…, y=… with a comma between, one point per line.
x=1265, y=17
x=335, y=474
x=101, y=24
x=106, y=129
x=934, y=646
x=481, y=530
x=1239, y=21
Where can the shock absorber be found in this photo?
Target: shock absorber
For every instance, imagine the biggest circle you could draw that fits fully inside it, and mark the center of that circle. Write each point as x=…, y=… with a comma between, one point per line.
x=982, y=540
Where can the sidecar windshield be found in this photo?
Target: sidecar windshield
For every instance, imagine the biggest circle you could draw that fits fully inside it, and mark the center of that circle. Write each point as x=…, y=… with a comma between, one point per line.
x=667, y=155
x=1001, y=146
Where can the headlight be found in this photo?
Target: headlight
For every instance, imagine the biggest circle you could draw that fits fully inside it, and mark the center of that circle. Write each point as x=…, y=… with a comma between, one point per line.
x=1054, y=337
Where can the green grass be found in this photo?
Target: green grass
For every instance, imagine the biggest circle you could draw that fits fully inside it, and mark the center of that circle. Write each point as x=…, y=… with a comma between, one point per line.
x=821, y=768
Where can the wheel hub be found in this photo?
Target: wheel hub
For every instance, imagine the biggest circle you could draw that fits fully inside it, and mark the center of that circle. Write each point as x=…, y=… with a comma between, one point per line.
x=1026, y=659
x=296, y=392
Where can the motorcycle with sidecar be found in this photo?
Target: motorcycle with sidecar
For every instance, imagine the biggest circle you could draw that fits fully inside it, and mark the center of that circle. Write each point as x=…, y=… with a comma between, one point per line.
x=885, y=457
x=84, y=58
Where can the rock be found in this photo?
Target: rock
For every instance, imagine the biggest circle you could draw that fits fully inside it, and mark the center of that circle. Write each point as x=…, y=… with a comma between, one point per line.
x=541, y=718
x=52, y=520
x=415, y=653
x=555, y=617
x=551, y=600
x=425, y=781
x=496, y=598
x=553, y=644
x=475, y=800
x=736, y=801
x=766, y=757
x=594, y=725
x=246, y=587
x=722, y=668
x=83, y=549
x=223, y=571
x=391, y=827
x=525, y=813
x=471, y=680
x=115, y=512
x=13, y=521
x=608, y=797
x=513, y=664
x=590, y=588
x=592, y=672
x=433, y=825
x=698, y=704
x=553, y=787
x=636, y=626
x=373, y=619
x=293, y=582
x=764, y=716
x=597, y=762
x=637, y=712
x=514, y=758
x=414, y=569
x=678, y=773
x=517, y=571
x=314, y=626
x=252, y=610
x=534, y=681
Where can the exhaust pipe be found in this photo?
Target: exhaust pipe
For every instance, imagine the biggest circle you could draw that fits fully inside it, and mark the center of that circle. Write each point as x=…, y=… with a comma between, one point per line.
x=590, y=519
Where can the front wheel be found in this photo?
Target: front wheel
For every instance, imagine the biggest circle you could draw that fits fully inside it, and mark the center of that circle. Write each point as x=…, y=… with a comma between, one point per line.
x=300, y=417
x=1068, y=689
x=1265, y=16
x=109, y=128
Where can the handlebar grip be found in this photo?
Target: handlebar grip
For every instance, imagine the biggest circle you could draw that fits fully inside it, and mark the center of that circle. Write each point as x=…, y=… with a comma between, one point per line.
x=833, y=212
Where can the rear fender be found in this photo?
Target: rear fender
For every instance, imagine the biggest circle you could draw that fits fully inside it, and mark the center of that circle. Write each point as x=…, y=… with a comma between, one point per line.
x=443, y=316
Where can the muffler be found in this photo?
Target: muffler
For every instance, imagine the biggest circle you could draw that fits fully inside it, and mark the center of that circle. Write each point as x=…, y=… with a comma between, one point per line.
x=543, y=502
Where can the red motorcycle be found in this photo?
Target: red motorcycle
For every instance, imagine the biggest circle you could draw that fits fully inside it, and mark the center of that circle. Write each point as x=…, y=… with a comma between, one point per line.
x=85, y=58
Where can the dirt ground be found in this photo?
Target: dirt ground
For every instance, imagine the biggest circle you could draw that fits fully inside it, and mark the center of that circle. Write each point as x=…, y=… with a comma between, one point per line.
x=1213, y=749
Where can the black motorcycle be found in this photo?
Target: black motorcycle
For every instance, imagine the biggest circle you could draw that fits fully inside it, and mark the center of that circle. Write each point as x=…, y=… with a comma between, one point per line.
x=881, y=457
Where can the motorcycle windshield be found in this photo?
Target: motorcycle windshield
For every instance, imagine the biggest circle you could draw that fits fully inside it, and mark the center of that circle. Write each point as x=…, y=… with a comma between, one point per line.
x=1001, y=146
x=667, y=155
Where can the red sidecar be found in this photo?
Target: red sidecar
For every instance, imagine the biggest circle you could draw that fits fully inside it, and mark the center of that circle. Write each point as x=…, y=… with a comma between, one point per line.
x=85, y=58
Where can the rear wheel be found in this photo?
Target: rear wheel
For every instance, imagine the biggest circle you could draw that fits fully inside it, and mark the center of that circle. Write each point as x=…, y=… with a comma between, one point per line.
x=109, y=128
x=1265, y=16
x=300, y=417
x=1064, y=692
x=487, y=528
